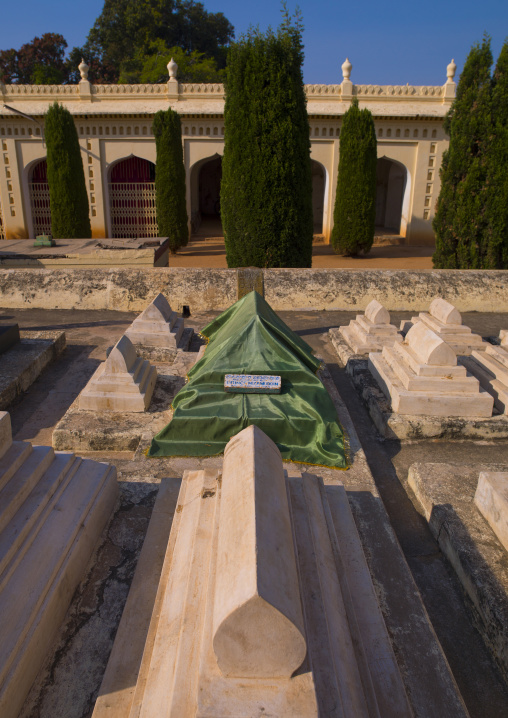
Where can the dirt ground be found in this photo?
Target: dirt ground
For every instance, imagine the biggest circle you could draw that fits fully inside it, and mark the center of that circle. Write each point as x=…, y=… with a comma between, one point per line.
x=211, y=253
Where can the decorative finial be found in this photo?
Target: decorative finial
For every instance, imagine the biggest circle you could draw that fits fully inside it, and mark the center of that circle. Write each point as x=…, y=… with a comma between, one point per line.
x=346, y=69
x=172, y=69
x=83, y=69
x=450, y=71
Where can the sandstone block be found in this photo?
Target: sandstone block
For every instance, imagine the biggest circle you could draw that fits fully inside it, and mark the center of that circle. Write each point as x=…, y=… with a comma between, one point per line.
x=124, y=382
x=491, y=498
x=53, y=509
x=503, y=337
x=157, y=326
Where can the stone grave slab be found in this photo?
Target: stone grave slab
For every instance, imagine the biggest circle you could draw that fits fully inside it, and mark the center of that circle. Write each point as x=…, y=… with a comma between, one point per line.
x=53, y=508
x=158, y=332
x=9, y=336
x=124, y=382
x=268, y=625
x=371, y=331
x=421, y=377
x=491, y=498
x=445, y=320
x=23, y=363
x=445, y=494
x=490, y=367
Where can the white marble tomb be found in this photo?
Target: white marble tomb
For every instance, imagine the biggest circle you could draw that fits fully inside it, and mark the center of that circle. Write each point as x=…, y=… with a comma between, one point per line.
x=421, y=377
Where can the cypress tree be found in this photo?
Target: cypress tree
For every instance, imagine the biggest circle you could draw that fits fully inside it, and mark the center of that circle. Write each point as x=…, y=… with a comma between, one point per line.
x=355, y=202
x=496, y=255
x=68, y=197
x=266, y=189
x=170, y=179
x=460, y=220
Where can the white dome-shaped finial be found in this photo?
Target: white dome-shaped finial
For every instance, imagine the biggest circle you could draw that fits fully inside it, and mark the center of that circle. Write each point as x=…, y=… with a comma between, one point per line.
x=172, y=69
x=83, y=69
x=450, y=70
x=346, y=69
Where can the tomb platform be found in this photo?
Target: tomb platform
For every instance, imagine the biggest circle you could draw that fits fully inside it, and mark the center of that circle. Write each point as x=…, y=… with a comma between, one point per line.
x=490, y=367
x=445, y=320
x=269, y=626
x=391, y=425
x=24, y=361
x=371, y=331
x=53, y=508
x=447, y=496
x=86, y=253
x=158, y=332
x=421, y=377
x=86, y=430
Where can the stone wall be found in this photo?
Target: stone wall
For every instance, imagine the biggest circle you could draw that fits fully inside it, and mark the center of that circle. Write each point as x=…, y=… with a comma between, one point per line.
x=285, y=289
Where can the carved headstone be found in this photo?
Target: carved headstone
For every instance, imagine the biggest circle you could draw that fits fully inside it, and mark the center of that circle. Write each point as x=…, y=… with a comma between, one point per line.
x=157, y=331
x=124, y=382
x=371, y=331
x=265, y=605
x=445, y=320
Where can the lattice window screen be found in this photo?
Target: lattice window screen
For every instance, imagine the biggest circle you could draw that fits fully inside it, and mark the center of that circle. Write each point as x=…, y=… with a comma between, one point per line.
x=132, y=206
x=41, y=213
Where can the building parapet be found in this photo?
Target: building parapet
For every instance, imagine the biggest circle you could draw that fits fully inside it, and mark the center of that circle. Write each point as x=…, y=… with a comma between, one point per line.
x=172, y=90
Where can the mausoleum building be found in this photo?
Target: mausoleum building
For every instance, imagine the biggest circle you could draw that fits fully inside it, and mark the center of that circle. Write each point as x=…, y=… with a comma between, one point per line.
x=114, y=124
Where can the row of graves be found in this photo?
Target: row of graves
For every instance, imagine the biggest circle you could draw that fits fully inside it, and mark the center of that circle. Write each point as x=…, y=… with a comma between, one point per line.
x=264, y=597
x=435, y=379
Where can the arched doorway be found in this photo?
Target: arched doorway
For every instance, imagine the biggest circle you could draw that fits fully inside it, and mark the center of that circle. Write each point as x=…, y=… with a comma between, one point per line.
x=39, y=198
x=318, y=195
x=205, y=197
x=132, y=199
x=390, y=187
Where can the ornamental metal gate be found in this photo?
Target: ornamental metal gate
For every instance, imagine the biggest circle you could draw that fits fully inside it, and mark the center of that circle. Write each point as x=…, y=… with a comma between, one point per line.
x=132, y=199
x=39, y=199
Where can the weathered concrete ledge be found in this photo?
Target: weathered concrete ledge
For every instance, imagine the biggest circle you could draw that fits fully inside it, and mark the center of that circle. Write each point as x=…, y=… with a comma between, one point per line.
x=445, y=494
x=131, y=289
x=23, y=363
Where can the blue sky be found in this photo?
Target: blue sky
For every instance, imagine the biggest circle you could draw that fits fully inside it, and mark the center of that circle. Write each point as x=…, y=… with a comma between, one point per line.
x=391, y=42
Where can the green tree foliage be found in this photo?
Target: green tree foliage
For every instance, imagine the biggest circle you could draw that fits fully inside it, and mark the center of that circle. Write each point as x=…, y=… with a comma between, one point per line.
x=461, y=218
x=67, y=190
x=496, y=254
x=127, y=29
x=149, y=65
x=266, y=190
x=355, y=201
x=40, y=62
x=170, y=179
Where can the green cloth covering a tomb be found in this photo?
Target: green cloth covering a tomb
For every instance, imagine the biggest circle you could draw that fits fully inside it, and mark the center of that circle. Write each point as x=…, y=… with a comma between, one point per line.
x=249, y=338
